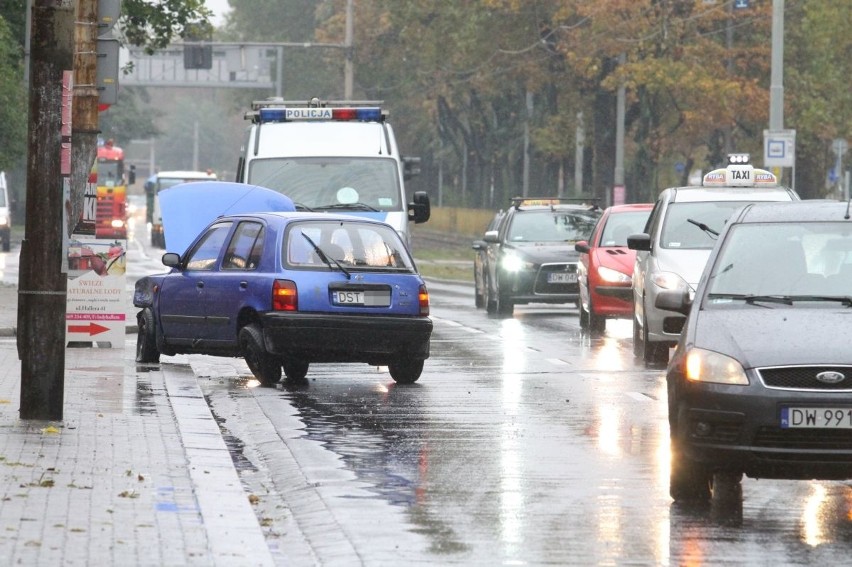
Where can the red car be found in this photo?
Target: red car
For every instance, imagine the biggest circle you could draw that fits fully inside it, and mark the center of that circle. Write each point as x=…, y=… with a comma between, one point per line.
x=605, y=270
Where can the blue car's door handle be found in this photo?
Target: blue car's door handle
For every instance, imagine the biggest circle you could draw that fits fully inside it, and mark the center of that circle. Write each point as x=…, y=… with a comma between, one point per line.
x=199, y=285
x=243, y=285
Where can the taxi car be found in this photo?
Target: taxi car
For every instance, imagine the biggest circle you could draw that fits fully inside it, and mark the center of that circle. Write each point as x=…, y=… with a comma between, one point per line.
x=672, y=250
x=605, y=271
x=530, y=256
x=760, y=382
x=481, y=248
x=285, y=290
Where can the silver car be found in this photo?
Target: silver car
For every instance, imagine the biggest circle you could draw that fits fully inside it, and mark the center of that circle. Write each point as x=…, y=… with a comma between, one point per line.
x=678, y=238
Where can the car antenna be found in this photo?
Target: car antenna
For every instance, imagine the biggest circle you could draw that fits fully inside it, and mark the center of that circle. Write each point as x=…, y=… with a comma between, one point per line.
x=847, y=208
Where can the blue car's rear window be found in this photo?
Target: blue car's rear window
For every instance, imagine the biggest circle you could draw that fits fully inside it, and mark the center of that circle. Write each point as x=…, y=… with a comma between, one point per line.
x=352, y=243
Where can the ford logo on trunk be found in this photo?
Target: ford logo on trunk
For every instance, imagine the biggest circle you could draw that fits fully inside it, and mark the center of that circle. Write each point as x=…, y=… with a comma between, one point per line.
x=830, y=377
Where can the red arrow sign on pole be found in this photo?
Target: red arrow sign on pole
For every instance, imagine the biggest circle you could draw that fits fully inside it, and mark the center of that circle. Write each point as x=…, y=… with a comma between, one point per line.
x=91, y=329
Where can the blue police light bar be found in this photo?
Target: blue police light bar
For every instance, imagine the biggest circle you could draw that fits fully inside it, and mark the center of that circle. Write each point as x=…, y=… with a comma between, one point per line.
x=283, y=114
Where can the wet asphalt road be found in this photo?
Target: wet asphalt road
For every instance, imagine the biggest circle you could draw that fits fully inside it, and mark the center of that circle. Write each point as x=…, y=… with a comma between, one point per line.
x=525, y=442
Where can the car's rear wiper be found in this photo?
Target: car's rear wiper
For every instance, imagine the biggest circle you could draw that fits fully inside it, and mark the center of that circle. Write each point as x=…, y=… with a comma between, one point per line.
x=301, y=207
x=752, y=299
x=325, y=257
x=703, y=227
x=350, y=206
x=844, y=299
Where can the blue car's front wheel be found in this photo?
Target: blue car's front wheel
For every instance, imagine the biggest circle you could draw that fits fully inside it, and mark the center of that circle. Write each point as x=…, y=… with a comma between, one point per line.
x=146, y=338
x=265, y=366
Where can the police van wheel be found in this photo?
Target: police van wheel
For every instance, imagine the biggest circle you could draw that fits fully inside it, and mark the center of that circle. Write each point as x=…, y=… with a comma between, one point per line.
x=265, y=367
x=146, y=339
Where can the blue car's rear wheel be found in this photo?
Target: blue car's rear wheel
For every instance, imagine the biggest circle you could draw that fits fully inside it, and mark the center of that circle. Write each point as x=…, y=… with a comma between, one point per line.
x=406, y=371
x=295, y=368
x=265, y=366
x=146, y=338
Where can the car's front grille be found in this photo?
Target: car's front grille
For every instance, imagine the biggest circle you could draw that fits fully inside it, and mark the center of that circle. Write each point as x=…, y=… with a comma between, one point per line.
x=543, y=285
x=805, y=378
x=810, y=439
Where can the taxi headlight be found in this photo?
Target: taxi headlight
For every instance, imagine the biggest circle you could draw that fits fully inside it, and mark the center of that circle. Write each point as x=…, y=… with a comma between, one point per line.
x=708, y=366
x=117, y=223
x=512, y=262
x=669, y=280
x=613, y=276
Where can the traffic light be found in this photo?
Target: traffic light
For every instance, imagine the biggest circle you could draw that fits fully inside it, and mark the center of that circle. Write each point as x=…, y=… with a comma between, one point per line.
x=197, y=56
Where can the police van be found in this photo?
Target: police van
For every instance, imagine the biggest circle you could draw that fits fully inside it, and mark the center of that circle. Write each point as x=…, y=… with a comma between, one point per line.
x=337, y=156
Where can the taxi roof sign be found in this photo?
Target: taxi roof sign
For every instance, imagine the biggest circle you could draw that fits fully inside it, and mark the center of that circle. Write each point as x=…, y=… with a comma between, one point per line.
x=740, y=176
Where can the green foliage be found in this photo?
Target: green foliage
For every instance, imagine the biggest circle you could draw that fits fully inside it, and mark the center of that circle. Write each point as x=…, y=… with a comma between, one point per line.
x=154, y=24
x=13, y=101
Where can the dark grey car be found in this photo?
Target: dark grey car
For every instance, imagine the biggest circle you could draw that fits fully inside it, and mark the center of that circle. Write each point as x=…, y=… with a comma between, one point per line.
x=761, y=380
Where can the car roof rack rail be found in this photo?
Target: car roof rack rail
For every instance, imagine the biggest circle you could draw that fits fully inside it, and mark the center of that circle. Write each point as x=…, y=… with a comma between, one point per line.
x=518, y=202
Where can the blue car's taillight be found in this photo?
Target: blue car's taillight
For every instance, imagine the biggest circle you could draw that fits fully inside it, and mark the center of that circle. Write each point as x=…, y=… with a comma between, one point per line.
x=424, y=300
x=285, y=297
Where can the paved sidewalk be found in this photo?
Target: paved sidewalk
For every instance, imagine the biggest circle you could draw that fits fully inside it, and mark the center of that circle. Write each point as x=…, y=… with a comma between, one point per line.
x=137, y=472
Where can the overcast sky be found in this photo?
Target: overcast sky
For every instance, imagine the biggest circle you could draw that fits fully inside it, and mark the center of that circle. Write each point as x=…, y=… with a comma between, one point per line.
x=220, y=8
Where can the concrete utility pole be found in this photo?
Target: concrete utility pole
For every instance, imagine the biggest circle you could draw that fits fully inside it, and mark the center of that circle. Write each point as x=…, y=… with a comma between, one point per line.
x=41, y=283
x=349, y=65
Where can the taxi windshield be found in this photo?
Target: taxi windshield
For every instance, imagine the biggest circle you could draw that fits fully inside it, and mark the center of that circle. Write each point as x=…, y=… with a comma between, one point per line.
x=324, y=182
x=681, y=231
x=552, y=226
x=792, y=261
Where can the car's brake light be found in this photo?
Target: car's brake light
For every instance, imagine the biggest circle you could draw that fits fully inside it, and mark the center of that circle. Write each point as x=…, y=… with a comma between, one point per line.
x=285, y=297
x=424, y=300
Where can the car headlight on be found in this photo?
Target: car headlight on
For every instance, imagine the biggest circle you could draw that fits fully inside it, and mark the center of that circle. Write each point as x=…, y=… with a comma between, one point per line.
x=613, y=276
x=669, y=280
x=117, y=223
x=708, y=366
x=512, y=262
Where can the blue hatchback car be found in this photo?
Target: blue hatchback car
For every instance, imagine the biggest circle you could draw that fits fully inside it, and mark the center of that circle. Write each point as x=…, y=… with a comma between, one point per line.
x=287, y=289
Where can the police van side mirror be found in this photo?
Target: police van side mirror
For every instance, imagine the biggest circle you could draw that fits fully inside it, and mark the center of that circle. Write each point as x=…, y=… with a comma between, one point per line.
x=640, y=242
x=420, y=209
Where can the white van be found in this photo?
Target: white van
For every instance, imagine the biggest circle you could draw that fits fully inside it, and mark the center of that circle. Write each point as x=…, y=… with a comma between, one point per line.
x=5, y=214
x=157, y=183
x=332, y=156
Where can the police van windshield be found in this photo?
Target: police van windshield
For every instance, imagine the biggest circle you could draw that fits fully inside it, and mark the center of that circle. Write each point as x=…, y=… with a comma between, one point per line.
x=331, y=181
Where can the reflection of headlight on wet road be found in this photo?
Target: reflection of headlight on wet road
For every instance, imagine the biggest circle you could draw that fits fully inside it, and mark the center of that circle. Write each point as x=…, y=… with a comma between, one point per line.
x=511, y=262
